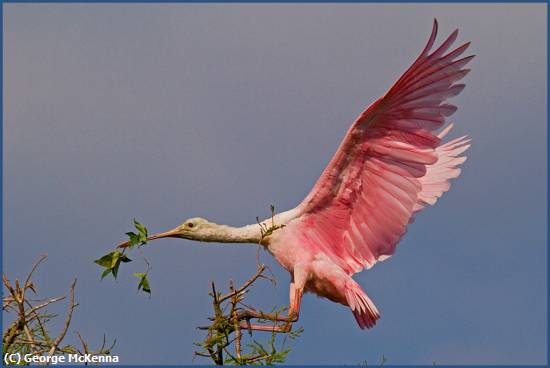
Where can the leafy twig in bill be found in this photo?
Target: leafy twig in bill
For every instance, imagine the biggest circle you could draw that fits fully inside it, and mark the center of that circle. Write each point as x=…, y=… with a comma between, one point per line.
x=112, y=261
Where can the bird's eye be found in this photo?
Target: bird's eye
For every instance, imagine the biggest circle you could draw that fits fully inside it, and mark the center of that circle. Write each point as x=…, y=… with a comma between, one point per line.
x=190, y=224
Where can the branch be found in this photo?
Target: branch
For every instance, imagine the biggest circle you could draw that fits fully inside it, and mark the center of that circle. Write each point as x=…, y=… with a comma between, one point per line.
x=224, y=334
x=235, y=315
x=60, y=337
x=27, y=334
x=84, y=345
x=40, y=306
x=246, y=285
x=40, y=260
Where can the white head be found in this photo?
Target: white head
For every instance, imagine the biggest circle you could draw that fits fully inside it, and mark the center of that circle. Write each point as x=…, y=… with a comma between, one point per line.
x=195, y=228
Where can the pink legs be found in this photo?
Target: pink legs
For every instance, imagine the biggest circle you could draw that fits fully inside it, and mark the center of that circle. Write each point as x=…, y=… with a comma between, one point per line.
x=293, y=315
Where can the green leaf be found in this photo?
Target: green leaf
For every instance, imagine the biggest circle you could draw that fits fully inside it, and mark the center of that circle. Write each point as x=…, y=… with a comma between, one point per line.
x=106, y=260
x=114, y=270
x=140, y=227
x=145, y=285
x=105, y=273
x=111, y=262
x=134, y=239
x=142, y=240
x=115, y=259
x=125, y=259
x=143, y=282
x=142, y=237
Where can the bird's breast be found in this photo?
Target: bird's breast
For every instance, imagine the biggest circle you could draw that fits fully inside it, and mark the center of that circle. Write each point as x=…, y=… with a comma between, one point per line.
x=285, y=252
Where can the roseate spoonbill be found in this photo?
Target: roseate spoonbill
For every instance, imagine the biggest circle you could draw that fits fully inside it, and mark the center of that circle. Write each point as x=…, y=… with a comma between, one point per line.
x=390, y=165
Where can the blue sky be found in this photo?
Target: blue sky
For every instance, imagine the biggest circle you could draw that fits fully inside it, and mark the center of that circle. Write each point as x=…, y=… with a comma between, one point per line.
x=169, y=111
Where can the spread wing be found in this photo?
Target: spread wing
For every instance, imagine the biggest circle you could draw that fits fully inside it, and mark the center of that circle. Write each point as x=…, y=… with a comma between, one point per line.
x=390, y=164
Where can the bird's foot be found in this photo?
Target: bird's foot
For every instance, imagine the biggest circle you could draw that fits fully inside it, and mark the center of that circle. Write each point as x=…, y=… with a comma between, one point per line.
x=246, y=325
x=275, y=317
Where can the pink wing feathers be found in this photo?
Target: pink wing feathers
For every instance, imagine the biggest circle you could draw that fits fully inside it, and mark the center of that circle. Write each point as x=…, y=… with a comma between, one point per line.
x=389, y=165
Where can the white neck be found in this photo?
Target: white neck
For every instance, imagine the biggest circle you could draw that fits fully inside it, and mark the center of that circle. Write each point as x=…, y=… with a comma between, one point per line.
x=229, y=234
x=245, y=234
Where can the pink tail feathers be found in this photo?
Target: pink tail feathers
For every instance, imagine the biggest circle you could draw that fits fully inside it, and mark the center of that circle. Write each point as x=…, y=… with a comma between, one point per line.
x=363, y=308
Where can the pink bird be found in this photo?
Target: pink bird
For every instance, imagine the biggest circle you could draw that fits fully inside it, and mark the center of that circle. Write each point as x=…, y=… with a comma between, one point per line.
x=390, y=165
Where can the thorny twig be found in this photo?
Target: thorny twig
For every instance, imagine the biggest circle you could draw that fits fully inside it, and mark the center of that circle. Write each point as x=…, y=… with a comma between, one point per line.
x=265, y=230
x=61, y=336
x=235, y=315
x=36, y=264
x=84, y=345
x=245, y=286
x=225, y=330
